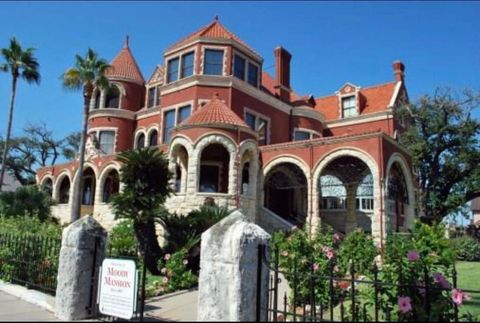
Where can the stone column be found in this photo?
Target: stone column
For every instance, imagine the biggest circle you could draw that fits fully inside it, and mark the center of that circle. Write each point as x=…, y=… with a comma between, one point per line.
x=228, y=270
x=351, y=218
x=75, y=267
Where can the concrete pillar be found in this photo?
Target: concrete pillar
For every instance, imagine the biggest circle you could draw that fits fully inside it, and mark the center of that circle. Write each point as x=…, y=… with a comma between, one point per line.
x=227, y=288
x=77, y=260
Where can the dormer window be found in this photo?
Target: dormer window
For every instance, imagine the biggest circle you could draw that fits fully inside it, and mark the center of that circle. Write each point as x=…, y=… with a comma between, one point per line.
x=213, y=63
x=239, y=67
x=172, y=70
x=349, y=106
x=153, y=99
x=187, y=65
x=252, y=75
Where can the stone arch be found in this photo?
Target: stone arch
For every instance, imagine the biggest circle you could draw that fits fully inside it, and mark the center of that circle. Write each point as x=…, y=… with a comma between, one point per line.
x=297, y=173
x=138, y=133
x=148, y=138
x=102, y=179
x=400, y=160
x=58, y=183
x=205, y=141
x=178, y=165
x=369, y=161
x=43, y=183
x=248, y=153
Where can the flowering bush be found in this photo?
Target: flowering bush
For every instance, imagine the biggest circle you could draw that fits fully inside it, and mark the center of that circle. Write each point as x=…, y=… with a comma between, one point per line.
x=358, y=248
x=175, y=274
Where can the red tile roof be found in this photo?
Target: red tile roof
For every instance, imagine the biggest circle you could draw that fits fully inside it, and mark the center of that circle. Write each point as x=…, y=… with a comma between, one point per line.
x=214, y=112
x=212, y=30
x=268, y=83
x=377, y=98
x=124, y=66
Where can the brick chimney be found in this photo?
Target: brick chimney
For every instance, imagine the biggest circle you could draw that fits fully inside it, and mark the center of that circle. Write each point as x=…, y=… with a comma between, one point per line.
x=399, y=71
x=282, y=73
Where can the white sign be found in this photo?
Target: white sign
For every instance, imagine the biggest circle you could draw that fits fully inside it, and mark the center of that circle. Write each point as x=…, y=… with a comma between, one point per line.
x=118, y=288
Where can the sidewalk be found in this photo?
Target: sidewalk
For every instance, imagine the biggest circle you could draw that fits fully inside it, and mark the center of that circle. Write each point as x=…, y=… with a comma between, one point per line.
x=14, y=309
x=178, y=306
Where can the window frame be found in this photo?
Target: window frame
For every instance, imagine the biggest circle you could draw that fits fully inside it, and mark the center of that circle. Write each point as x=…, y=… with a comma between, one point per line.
x=175, y=108
x=97, y=131
x=217, y=164
x=203, y=56
x=168, y=73
x=248, y=62
x=259, y=116
x=351, y=108
x=182, y=65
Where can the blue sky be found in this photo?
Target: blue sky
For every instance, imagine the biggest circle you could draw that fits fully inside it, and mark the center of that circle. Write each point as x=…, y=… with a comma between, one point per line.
x=331, y=43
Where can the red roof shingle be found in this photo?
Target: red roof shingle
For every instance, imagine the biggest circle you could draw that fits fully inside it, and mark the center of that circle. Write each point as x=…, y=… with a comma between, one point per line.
x=214, y=112
x=124, y=66
x=212, y=30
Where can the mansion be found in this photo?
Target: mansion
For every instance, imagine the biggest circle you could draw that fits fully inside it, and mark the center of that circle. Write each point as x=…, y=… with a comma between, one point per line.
x=244, y=138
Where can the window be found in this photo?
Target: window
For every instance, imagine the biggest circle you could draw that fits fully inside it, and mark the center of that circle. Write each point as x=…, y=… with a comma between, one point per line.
x=112, y=99
x=97, y=100
x=349, y=106
x=107, y=142
x=302, y=135
x=157, y=98
x=47, y=186
x=172, y=70
x=151, y=97
x=252, y=75
x=64, y=193
x=183, y=113
x=111, y=186
x=168, y=124
x=141, y=141
x=213, y=62
x=209, y=177
x=259, y=124
x=187, y=65
x=245, y=178
x=178, y=178
x=239, y=67
x=364, y=203
x=153, y=139
x=250, y=120
x=334, y=203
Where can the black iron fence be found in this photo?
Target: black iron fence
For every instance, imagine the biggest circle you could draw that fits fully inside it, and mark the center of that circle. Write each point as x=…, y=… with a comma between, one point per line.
x=30, y=260
x=344, y=296
x=135, y=255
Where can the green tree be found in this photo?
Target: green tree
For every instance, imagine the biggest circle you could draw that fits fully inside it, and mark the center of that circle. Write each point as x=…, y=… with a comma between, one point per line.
x=35, y=148
x=87, y=73
x=145, y=177
x=21, y=64
x=443, y=139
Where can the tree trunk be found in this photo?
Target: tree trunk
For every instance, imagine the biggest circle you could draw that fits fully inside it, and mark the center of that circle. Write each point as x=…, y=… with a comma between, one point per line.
x=77, y=189
x=9, y=130
x=147, y=238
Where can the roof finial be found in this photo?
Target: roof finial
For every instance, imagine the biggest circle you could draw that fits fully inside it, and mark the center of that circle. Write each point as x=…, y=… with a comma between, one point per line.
x=216, y=95
x=127, y=38
x=216, y=18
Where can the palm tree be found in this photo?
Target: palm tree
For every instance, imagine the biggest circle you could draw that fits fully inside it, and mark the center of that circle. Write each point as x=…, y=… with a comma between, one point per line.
x=87, y=73
x=20, y=64
x=145, y=177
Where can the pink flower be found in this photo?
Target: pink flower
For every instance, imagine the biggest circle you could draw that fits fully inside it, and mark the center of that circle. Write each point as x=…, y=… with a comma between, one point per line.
x=458, y=297
x=164, y=270
x=330, y=254
x=413, y=255
x=285, y=253
x=336, y=238
x=404, y=304
x=316, y=266
x=165, y=280
x=336, y=269
x=185, y=261
x=167, y=256
x=441, y=280
x=421, y=288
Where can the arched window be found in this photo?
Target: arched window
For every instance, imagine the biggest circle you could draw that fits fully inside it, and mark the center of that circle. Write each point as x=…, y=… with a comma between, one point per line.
x=112, y=97
x=245, y=178
x=47, y=186
x=153, y=138
x=88, y=193
x=214, y=166
x=140, y=141
x=111, y=186
x=64, y=193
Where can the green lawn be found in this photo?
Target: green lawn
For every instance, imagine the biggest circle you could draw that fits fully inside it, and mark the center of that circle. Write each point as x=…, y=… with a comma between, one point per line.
x=469, y=279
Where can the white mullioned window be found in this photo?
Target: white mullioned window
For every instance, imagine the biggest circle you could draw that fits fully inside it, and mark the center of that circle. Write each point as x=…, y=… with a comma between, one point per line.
x=349, y=106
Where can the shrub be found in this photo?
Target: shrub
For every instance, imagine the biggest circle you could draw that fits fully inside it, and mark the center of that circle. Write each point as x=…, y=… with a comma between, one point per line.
x=466, y=248
x=26, y=200
x=122, y=241
x=175, y=274
x=29, y=225
x=358, y=247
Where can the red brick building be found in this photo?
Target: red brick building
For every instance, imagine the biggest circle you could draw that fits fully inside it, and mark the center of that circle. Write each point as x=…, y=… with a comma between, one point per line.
x=246, y=139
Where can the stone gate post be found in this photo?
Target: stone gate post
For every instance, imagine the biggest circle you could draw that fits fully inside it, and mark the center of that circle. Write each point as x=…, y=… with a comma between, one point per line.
x=228, y=271
x=78, y=259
